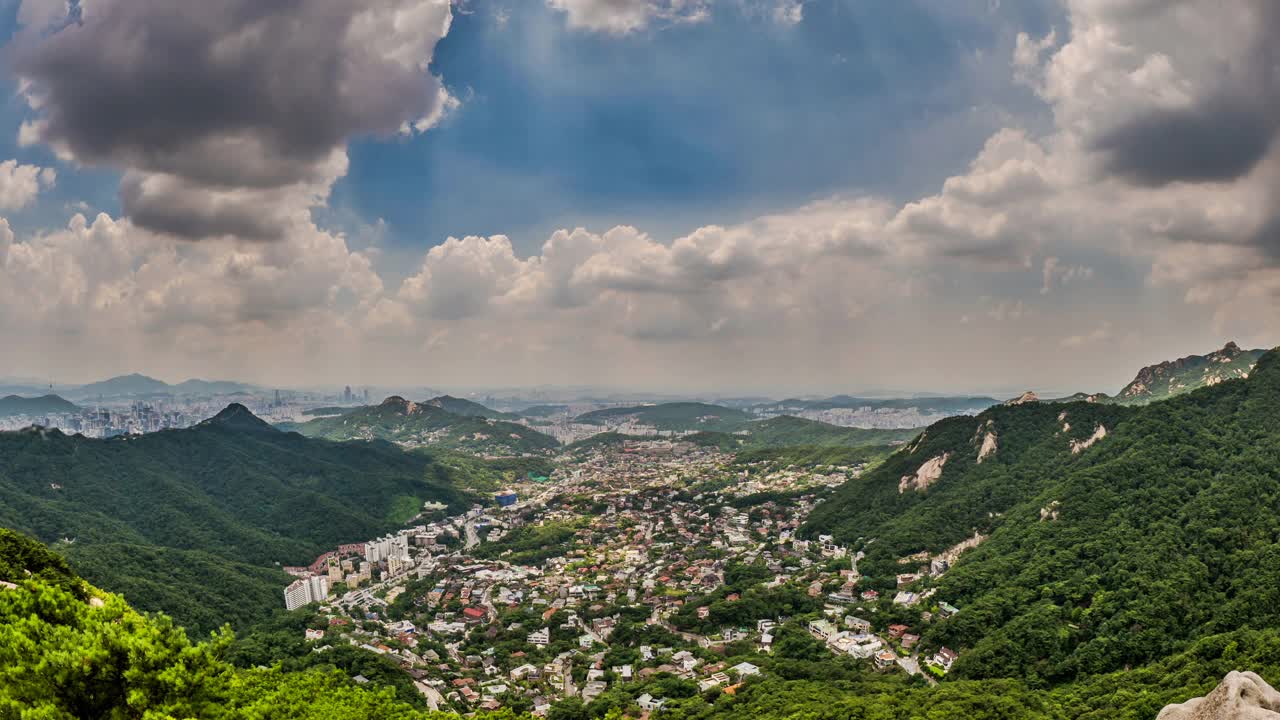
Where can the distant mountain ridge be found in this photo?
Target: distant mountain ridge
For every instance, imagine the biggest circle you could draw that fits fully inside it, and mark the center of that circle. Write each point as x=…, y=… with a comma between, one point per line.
x=674, y=417
x=15, y=405
x=777, y=434
x=141, y=385
x=413, y=424
x=940, y=404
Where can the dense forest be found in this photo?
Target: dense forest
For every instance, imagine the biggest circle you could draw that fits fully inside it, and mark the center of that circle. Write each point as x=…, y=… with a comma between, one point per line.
x=216, y=506
x=1115, y=536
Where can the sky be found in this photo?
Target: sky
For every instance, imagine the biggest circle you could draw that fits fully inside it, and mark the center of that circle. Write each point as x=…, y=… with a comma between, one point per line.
x=756, y=196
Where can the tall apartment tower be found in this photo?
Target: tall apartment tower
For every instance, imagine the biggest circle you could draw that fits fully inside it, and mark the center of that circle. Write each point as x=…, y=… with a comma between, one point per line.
x=305, y=591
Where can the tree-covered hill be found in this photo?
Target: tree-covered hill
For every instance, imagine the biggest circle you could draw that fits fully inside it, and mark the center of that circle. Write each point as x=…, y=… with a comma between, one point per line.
x=217, y=506
x=426, y=424
x=676, y=417
x=784, y=439
x=1115, y=536
x=14, y=405
x=787, y=431
x=543, y=411
x=469, y=408
x=957, y=405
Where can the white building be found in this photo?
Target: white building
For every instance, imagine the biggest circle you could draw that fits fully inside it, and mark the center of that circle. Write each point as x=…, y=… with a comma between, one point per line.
x=649, y=703
x=305, y=591
x=383, y=548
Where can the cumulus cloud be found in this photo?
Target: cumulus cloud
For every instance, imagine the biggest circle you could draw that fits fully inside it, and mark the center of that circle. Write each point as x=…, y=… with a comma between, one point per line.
x=620, y=17
x=1211, y=124
x=231, y=117
x=789, y=12
x=713, y=280
x=20, y=184
x=109, y=289
x=816, y=288
x=1163, y=149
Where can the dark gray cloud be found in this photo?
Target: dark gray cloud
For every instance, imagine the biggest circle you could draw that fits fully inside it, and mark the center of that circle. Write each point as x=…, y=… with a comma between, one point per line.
x=1268, y=237
x=1222, y=135
x=228, y=95
x=197, y=211
x=1220, y=141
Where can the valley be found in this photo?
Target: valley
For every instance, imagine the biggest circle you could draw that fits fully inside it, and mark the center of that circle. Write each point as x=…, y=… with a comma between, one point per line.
x=1031, y=555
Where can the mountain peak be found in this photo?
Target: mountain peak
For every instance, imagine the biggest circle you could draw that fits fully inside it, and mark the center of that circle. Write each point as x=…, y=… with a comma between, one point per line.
x=395, y=403
x=1173, y=377
x=237, y=417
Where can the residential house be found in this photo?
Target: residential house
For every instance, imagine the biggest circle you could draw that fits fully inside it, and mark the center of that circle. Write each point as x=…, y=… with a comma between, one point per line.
x=944, y=658
x=649, y=703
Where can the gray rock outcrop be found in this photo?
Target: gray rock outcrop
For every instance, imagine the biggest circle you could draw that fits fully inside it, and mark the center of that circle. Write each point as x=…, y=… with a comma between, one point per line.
x=1240, y=696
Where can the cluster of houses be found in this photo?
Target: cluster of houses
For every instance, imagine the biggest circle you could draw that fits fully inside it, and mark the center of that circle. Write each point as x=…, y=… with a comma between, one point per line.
x=651, y=538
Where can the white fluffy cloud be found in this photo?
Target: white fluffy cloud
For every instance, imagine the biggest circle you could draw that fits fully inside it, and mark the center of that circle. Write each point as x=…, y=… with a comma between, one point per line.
x=620, y=17
x=20, y=184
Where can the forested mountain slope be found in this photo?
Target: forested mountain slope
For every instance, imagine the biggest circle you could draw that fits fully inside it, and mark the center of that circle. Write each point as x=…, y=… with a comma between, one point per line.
x=1115, y=536
x=428, y=424
x=215, y=507
x=677, y=417
x=462, y=406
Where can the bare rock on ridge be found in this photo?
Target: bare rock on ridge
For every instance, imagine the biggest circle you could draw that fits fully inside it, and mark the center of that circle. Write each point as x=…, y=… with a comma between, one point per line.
x=1241, y=696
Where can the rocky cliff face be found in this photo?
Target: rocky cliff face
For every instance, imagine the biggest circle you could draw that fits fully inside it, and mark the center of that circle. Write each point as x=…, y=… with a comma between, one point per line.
x=1241, y=696
x=1173, y=377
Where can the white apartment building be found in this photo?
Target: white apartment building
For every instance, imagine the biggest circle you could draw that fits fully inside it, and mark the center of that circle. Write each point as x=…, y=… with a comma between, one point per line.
x=382, y=549
x=305, y=591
